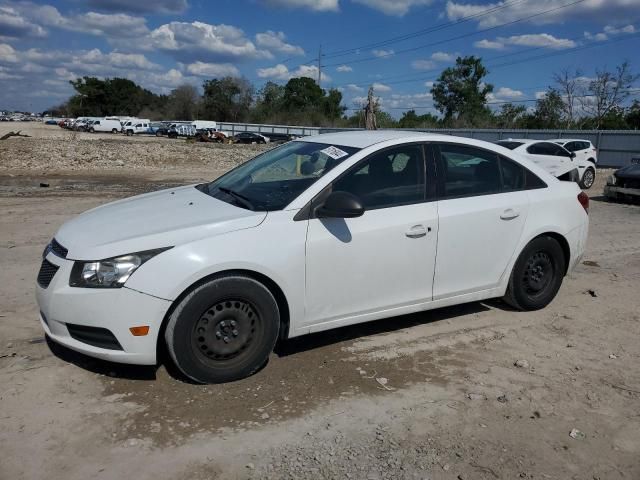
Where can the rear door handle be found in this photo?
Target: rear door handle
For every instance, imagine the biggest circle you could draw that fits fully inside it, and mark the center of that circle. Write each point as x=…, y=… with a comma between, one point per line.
x=417, y=231
x=509, y=214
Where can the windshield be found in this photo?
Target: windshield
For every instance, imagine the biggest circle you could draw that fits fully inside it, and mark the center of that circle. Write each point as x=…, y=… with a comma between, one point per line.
x=275, y=178
x=509, y=144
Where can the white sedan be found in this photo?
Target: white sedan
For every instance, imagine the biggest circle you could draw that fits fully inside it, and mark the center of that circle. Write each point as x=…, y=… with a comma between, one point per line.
x=556, y=159
x=318, y=233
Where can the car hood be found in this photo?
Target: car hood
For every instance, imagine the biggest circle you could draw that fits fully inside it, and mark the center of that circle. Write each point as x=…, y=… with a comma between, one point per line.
x=154, y=220
x=630, y=171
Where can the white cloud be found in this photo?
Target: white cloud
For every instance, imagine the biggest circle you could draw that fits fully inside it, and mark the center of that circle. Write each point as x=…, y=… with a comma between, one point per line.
x=381, y=87
x=202, y=69
x=398, y=8
x=429, y=84
x=489, y=44
x=609, y=31
x=543, y=40
x=443, y=57
x=14, y=25
x=352, y=87
x=204, y=42
x=380, y=53
x=156, y=6
x=590, y=10
x=275, y=42
x=344, y=68
x=417, y=101
x=281, y=72
x=314, y=5
x=505, y=94
x=424, y=64
x=7, y=54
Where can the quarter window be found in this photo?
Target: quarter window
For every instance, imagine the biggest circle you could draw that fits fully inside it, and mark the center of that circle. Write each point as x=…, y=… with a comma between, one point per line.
x=386, y=179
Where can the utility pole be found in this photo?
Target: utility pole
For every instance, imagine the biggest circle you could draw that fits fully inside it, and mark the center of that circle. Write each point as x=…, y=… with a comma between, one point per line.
x=319, y=65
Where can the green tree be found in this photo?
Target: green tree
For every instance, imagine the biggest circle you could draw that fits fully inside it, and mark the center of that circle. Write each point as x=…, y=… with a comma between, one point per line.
x=549, y=111
x=302, y=93
x=633, y=115
x=460, y=93
x=227, y=99
x=183, y=103
x=410, y=119
x=511, y=116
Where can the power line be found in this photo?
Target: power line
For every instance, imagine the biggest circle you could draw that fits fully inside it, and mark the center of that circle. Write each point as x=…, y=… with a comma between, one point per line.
x=459, y=37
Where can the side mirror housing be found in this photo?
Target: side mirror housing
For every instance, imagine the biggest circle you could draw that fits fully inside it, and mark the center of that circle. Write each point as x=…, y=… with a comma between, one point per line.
x=572, y=154
x=340, y=205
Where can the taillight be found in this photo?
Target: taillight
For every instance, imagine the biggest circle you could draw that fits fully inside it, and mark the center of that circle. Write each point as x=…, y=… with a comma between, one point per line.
x=583, y=198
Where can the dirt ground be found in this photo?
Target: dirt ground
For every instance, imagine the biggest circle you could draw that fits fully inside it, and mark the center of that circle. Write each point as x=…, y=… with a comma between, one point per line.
x=435, y=395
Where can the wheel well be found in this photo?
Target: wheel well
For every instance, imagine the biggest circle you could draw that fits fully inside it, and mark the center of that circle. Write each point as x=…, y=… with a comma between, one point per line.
x=592, y=160
x=566, y=250
x=273, y=287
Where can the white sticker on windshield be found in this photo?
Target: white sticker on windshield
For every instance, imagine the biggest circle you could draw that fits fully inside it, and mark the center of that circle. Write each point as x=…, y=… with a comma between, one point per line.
x=334, y=152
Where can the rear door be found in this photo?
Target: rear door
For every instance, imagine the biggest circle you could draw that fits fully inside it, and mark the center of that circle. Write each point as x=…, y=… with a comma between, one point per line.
x=554, y=158
x=482, y=209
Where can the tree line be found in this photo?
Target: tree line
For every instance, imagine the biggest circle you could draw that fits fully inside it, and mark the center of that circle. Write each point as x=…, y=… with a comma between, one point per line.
x=461, y=95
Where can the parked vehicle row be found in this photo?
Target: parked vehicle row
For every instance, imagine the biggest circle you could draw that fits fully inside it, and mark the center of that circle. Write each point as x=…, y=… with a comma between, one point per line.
x=557, y=160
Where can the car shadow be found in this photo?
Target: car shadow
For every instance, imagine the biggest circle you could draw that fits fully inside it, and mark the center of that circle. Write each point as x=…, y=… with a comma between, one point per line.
x=102, y=367
x=284, y=348
x=386, y=325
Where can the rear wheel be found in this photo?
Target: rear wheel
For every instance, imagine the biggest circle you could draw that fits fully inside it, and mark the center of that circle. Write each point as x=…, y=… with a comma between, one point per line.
x=129, y=133
x=537, y=275
x=114, y=130
x=588, y=178
x=223, y=330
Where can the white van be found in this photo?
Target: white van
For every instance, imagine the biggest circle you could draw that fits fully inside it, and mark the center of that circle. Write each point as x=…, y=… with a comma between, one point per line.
x=205, y=124
x=105, y=125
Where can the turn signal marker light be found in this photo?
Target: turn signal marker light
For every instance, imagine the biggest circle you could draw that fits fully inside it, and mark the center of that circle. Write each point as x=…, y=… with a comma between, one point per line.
x=140, y=331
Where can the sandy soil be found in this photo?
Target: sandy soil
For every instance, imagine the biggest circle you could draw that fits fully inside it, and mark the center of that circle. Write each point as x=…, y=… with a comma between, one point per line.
x=454, y=404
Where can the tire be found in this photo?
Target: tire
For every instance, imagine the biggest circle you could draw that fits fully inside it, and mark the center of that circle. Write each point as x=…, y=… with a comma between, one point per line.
x=114, y=130
x=158, y=133
x=129, y=133
x=91, y=130
x=223, y=330
x=588, y=178
x=537, y=275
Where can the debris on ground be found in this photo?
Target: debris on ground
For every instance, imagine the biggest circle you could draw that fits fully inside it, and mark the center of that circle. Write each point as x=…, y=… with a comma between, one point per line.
x=577, y=434
x=593, y=293
x=521, y=364
x=613, y=356
x=503, y=399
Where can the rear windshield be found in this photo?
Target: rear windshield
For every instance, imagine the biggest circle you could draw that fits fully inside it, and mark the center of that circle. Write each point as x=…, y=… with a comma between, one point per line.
x=509, y=144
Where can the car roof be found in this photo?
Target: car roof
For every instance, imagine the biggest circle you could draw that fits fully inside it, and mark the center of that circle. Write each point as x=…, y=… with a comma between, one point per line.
x=366, y=138
x=567, y=140
x=526, y=141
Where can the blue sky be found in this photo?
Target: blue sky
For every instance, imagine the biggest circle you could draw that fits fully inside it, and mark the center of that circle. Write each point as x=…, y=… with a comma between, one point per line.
x=399, y=46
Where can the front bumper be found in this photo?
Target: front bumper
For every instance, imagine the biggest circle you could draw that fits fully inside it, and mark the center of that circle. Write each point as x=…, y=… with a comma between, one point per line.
x=115, y=309
x=613, y=192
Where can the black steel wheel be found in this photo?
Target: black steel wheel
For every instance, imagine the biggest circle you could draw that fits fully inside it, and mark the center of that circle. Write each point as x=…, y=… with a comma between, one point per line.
x=537, y=274
x=588, y=178
x=223, y=330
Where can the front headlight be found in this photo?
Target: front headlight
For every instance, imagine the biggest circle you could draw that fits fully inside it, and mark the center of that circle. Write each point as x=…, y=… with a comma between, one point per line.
x=611, y=180
x=111, y=272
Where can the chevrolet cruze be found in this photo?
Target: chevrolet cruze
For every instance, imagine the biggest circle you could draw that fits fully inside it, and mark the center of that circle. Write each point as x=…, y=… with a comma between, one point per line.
x=318, y=233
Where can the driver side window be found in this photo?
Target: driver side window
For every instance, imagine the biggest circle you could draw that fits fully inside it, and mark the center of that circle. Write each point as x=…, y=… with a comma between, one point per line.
x=389, y=178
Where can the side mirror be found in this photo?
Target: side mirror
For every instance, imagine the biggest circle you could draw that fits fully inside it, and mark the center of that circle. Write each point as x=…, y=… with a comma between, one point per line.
x=340, y=205
x=572, y=154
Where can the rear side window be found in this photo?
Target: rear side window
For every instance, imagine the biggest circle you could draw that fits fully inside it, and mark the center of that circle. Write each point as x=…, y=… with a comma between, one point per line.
x=468, y=171
x=509, y=144
x=513, y=175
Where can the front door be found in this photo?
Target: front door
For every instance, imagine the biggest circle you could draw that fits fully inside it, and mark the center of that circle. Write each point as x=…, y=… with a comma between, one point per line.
x=385, y=259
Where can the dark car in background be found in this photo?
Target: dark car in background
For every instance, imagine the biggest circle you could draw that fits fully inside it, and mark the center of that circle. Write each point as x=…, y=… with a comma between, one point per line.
x=624, y=184
x=250, y=137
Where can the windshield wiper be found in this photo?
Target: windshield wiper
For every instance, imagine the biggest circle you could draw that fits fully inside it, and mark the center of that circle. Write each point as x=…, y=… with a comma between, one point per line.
x=239, y=197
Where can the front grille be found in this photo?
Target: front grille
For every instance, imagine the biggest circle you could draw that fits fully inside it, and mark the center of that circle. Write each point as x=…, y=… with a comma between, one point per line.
x=98, y=337
x=58, y=249
x=46, y=273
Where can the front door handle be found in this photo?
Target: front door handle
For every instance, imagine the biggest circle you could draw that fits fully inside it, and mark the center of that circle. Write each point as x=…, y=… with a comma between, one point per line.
x=417, y=231
x=509, y=214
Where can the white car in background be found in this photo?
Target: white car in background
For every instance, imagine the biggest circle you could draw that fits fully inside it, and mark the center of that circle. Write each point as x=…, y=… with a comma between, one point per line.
x=318, y=233
x=105, y=125
x=583, y=149
x=555, y=159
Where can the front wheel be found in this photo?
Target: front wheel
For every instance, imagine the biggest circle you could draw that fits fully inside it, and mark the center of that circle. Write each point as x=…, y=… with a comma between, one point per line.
x=588, y=178
x=537, y=275
x=129, y=133
x=114, y=130
x=223, y=330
